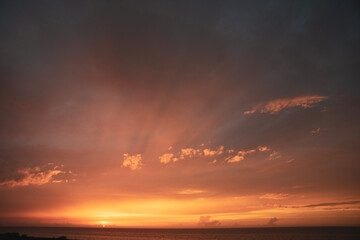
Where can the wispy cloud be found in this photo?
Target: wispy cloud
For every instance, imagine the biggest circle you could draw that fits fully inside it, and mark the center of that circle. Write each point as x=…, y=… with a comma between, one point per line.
x=274, y=155
x=190, y=191
x=241, y=154
x=213, y=161
x=332, y=204
x=132, y=161
x=36, y=176
x=58, y=181
x=314, y=132
x=276, y=106
x=274, y=196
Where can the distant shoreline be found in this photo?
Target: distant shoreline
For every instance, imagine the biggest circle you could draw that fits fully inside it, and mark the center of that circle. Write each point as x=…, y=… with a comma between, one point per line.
x=17, y=236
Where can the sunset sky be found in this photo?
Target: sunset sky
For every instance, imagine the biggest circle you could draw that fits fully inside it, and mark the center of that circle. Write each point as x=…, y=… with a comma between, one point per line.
x=179, y=113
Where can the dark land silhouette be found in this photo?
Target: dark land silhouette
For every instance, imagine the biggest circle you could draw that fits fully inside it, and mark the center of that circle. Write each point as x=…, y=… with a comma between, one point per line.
x=17, y=236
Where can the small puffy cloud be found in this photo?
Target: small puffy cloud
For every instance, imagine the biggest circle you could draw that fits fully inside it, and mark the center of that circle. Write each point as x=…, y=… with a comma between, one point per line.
x=35, y=176
x=204, y=221
x=132, y=161
x=240, y=156
x=274, y=196
x=236, y=158
x=244, y=153
x=274, y=155
x=231, y=155
x=263, y=149
x=276, y=106
x=167, y=157
x=209, y=152
x=189, y=152
x=272, y=221
x=314, y=132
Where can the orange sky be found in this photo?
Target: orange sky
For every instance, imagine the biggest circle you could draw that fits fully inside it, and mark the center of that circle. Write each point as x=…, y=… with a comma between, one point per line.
x=156, y=114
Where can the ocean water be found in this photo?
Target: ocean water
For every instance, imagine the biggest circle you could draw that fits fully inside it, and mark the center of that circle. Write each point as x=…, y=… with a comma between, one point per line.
x=301, y=233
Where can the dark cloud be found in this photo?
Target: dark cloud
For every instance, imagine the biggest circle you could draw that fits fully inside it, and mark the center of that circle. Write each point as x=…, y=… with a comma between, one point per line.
x=332, y=204
x=272, y=221
x=204, y=221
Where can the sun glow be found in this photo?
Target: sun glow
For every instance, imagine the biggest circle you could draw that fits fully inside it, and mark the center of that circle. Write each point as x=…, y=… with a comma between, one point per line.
x=104, y=223
x=189, y=212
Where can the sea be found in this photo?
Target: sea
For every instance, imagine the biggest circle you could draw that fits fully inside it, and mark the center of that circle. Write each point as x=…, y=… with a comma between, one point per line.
x=279, y=233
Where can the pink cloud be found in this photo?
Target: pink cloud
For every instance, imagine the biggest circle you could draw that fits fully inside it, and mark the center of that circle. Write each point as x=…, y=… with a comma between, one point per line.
x=132, y=161
x=167, y=158
x=236, y=158
x=263, y=149
x=209, y=152
x=274, y=155
x=276, y=106
x=241, y=154
x=189, y=152
x=35, y=176
x=213, y=162
x=314, y=132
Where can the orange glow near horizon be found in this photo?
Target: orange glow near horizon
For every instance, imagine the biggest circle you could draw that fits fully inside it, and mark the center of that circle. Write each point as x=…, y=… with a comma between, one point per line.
x=175, y=213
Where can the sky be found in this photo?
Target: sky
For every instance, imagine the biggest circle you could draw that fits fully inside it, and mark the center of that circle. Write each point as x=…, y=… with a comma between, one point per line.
x=179, y=113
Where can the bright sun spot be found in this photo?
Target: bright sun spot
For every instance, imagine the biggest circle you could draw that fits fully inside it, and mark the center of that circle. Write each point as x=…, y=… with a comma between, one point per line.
x=104, y=223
